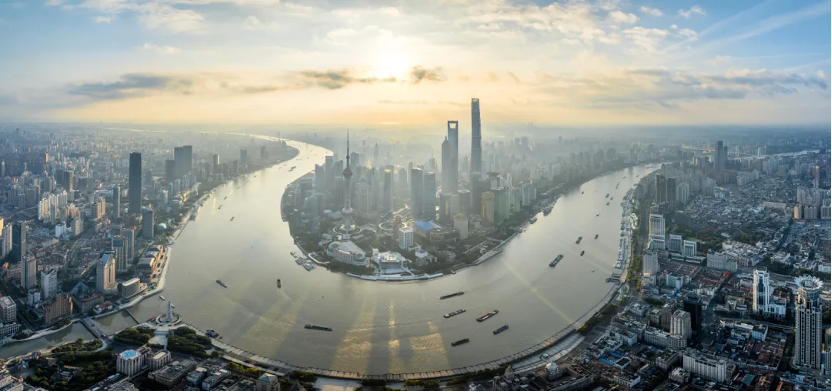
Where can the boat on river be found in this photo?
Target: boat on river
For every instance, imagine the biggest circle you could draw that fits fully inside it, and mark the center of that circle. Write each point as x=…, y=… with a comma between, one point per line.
x=452, y=295
x=547, y=210
x=579, y=240
x=488, y=315
x=556, y=261
x=582, y=252
x=454, y=313
x=317, y=327
x=501, y=329
x=278, y=284
x=533, y=220
x=461, y=341
x=221, y=283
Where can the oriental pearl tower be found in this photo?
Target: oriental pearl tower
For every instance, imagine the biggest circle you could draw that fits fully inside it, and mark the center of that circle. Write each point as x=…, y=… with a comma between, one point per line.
x=347, y=210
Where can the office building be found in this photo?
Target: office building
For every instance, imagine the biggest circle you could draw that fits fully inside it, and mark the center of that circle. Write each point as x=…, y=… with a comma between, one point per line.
x=387, y=190
x=19, y=240
x=429, y=205
x=134, y=184
x=405, y=238
x=8, y=310
x=693, y=306
x=215, y=164
x=680, y=324
x=130, y=235
x=476, y=137
x=29, y=272
x=49, y=284
x=131, y=287
x=119, y=245
x=450, y=160
x=105, y=279
x=661, y=189
x=116, y=201
x=147, y=223
x=487, y=208
x=808, y=323
x=417, y=193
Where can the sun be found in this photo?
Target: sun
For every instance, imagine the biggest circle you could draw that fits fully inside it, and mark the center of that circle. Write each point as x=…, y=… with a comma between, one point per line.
x=391, y=64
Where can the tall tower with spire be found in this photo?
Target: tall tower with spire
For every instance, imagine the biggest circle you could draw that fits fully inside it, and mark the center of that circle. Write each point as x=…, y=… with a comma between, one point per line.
x=347, y=210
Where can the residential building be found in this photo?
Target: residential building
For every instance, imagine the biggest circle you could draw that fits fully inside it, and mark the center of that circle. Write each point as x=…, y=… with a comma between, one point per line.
x=705, y=366
x=808, y=323
x=405, y=238
x=680, y=324
x=105, y=280
x=49, y=283
x=59, y=307
x=29, y=272
x=8, y=310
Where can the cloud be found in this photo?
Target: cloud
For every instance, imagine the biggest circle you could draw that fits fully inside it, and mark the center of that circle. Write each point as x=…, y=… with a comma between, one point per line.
x=695, y=10
x=687, y=33
x=160, y=49
x=103, y=19
x=419, y=73
x=131, y=85
x=335, y=79
x=651, y=11
x=649, y=39
x=659, y=87
x=252, y=22
x=618, y=17
x=158, y=14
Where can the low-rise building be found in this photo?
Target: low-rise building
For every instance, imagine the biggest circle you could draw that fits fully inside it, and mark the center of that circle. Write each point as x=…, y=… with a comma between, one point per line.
x=706, y=366
x=173, y=373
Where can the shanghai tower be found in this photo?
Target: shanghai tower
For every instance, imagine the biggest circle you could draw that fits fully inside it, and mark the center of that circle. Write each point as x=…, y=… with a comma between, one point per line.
x=476, y=136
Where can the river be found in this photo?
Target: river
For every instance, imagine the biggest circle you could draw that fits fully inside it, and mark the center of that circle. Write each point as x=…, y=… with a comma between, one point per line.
x=382, y=327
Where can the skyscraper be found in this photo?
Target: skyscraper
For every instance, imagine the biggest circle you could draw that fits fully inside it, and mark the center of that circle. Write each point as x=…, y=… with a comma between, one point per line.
x=429, y=202
x=105, y=279
x=19, y=240
x=693, y=305
x=762, y=291
x=476, y=136
x=179, y=161
x=417, y=193
x=49, y=284
x=147, y=223
x=661, y=189
x=28, y=272
x=189, y=158
x=387, y=196
x=117, y=201
x=215, y=160
x=808, y=323
x=134, y=186
x=452, y=187
x=719, y=160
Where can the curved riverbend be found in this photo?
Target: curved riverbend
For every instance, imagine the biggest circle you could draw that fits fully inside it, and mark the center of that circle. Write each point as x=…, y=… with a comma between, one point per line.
x=384, y=328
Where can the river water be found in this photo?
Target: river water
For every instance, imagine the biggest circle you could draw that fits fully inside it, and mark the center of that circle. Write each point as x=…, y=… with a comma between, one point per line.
x=382, y=327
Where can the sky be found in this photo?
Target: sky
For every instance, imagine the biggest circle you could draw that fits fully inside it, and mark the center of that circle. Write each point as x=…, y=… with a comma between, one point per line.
x=373, y=63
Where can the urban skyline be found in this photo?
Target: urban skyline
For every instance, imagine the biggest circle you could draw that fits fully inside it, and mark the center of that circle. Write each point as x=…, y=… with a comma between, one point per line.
x=496, y=195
